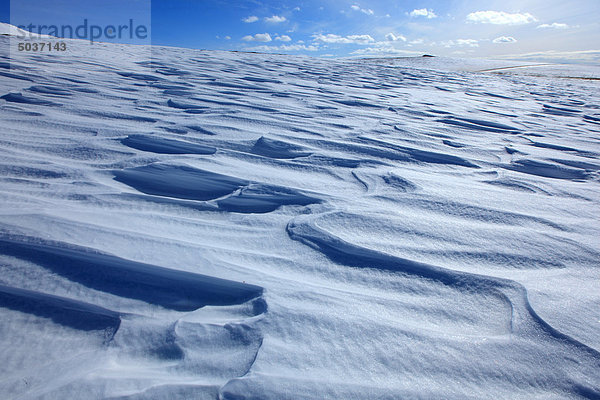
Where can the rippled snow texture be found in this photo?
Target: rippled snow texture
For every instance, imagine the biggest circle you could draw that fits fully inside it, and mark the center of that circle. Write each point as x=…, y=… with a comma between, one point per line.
x=245, y=226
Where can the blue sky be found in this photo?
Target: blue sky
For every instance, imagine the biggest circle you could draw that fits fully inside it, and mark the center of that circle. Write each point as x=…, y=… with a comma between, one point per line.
x=528, y=29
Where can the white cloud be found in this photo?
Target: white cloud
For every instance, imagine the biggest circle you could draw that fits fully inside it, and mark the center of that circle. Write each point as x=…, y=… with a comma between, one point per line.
x=390, y=37
x=500, y=18
x=467, y=42
x=504, y=39
x=275, y=19
x=227, y=37
x=298, y=47
x=367, y=11
x=259, y=37
x=250, y=19
x=423, y=12
x=360, y=39
x=460, y=42
x=554, y=25
x=387, y=50
x=351, y=39
x=284, y=38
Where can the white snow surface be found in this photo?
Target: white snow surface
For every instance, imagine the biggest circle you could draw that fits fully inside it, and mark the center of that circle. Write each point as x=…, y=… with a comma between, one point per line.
x=11, y=30
x=246, y=226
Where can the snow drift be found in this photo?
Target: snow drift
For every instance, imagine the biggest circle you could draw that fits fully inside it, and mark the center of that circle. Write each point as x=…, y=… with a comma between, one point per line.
x=249, y=226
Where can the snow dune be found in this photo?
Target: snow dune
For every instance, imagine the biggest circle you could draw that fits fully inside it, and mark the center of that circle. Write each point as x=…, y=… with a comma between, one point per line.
x=216, y=225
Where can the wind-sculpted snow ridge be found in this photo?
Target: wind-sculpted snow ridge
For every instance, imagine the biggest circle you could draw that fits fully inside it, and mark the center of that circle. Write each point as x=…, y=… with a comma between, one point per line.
x=194, y=184
x=141, y=339
x=215, y=225
x=177, y=290
x=63, y=311
x=345, y=253
x=165, y=146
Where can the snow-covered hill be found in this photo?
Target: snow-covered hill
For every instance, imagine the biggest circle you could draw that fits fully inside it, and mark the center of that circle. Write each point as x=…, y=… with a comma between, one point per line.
x=249, y=226
x=11, y=30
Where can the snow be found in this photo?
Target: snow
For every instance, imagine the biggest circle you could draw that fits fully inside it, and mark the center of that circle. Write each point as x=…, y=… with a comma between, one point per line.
x=11, y=30
x=504, y=67
x=250, y=226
